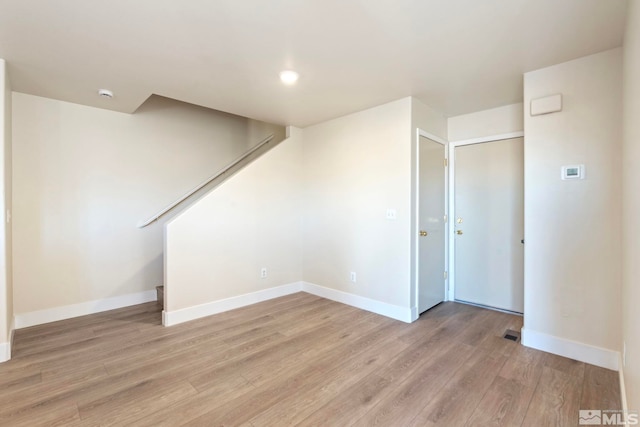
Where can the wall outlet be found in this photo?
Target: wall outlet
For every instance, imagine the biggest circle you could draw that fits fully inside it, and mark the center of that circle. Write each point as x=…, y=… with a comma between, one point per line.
x=263, y=273
x=391, y=214
x=353, y=276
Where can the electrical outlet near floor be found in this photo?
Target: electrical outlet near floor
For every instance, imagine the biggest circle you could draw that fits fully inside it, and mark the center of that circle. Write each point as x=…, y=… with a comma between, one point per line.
x=353, y=276
x=263, y=273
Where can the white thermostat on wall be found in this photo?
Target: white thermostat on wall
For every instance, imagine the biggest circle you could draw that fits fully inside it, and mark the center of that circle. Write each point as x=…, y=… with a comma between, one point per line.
x=573, y=172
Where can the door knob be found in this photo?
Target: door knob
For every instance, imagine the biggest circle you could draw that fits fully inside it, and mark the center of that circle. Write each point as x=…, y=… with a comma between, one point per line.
x=423, y=233
x=458, y=231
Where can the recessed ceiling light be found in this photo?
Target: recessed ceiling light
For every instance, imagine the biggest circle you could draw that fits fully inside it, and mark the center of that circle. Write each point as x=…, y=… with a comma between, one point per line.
x=105, y=93
x=289, y=77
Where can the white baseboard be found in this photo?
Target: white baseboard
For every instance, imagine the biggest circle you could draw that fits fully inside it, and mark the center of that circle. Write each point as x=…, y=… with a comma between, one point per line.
x=82, y=309
x=170, y=318
x=404, y=314
x=5, y=351
x=572, y=349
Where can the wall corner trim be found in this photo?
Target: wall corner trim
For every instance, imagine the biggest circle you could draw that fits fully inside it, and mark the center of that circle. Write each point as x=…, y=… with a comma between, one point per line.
x=54, y=314
x=414, y=314
x=175, y=317
x=5, y=347
x=586, y=353
x=396, y=312
x=623, y=388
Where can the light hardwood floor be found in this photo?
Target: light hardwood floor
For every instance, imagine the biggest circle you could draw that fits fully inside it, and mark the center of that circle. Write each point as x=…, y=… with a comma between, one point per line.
x=296, y=360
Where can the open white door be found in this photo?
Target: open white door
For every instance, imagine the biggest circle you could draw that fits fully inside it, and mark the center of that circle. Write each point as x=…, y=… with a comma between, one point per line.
x=431, y=224
x=489, y=224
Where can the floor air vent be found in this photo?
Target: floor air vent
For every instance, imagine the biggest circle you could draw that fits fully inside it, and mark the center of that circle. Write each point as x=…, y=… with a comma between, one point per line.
x=512, y=335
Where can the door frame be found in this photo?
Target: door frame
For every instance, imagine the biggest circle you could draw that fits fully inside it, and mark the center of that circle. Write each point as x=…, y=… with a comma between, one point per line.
x=451, y=194
x=416, y=225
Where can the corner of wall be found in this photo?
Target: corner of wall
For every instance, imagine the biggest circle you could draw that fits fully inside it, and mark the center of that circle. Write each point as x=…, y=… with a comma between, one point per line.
x=215, y=250
x=586, y=353
x=6, y=284
x=5, y=348
x=572, y=290
x=504, y=120
x=293, y=132
x=402, y=314
x=8, y=204
x=428, y=119
x=356, y=167
x=631, y=207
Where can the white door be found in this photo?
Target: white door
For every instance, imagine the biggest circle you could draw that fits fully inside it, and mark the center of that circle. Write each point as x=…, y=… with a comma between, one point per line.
x=431, y=226
x=489, y=224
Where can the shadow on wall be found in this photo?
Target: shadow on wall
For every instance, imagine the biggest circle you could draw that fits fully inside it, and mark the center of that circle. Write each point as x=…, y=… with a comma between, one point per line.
x=97, y=174
x=147, y=272
x=239, y=131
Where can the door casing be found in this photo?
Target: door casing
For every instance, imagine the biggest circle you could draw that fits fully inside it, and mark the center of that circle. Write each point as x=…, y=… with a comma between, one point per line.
x=416, y=227
x=451, y=197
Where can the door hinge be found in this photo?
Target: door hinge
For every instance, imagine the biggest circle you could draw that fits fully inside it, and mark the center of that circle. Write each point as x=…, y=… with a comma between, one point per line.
x=446, y=163
x=446, y=218
x=446, y=275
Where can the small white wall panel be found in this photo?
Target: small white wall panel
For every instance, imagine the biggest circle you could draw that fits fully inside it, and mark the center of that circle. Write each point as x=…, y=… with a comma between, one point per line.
x=546, y=105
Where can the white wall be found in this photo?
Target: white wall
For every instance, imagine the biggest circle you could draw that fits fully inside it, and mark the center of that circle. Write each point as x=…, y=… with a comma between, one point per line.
x=356, y=167
x=496, y=121
x=312, y=210
x=6, y=282
x=573, y=228
x=631, y=206
x=84, y=177
x=216, y=249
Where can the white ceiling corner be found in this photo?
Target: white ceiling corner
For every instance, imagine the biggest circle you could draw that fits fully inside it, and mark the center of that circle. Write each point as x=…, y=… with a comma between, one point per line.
x=458, y=56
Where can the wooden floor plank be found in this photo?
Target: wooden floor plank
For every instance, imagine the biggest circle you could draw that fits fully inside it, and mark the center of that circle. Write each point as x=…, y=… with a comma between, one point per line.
x=349, y=405
x=465, y=389
x=504, y=404
x=295, y=360
x=524, y=366
x=556, y=400
x=134, y=401
x=600, y=389
x=188, y=409
x=407, y=399
x=297, y=408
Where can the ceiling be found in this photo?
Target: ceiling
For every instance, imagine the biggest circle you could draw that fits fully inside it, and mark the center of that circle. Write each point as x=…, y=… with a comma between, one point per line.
x=457, y=56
